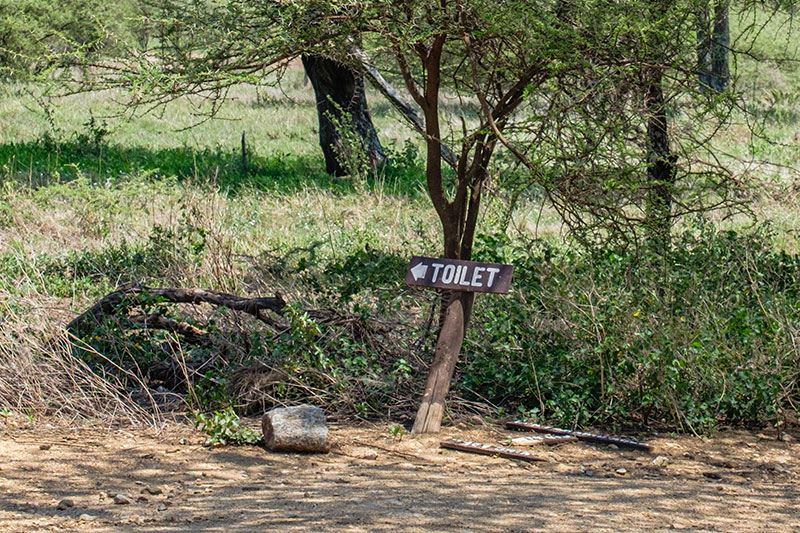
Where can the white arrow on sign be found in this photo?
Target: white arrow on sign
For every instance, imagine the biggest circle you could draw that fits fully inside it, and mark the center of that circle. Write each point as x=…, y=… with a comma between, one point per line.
x=419, y=271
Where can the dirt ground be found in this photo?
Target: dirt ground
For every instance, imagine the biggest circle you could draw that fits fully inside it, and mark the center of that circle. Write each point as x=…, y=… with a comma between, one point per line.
x=374, y=481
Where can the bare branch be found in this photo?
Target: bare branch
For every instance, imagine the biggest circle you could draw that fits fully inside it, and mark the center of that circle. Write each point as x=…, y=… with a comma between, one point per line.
x=127, y=297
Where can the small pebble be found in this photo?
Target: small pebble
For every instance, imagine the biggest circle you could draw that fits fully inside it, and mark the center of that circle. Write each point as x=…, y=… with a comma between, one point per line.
x=621, y=471
x=87, y=518
x=661, y=461
x=44, y=447
x=122, y=499
x=65, y=504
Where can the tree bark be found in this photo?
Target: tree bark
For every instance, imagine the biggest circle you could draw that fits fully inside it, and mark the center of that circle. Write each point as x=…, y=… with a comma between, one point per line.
x=713, y=48
x=340, y=97
x=661, y=162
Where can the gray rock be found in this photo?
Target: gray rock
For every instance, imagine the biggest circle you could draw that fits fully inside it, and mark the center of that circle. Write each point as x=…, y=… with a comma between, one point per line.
x=87, y=518
x=296, y=429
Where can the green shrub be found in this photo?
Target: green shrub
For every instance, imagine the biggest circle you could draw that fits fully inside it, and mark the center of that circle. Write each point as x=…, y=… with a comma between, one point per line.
x=224, y=427
x=699, y=338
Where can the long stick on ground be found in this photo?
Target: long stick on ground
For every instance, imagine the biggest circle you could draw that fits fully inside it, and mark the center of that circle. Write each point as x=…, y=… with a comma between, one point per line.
x=580, y=435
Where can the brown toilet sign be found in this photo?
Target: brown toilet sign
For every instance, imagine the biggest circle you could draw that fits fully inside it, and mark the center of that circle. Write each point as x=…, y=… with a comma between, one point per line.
x=457, y=275
x=462, y=278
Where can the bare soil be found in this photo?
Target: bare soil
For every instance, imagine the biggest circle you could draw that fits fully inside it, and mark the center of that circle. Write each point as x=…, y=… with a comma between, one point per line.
x=374, y=481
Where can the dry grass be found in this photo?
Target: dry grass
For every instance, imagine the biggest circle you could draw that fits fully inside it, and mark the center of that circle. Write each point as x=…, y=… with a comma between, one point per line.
x=41, y=377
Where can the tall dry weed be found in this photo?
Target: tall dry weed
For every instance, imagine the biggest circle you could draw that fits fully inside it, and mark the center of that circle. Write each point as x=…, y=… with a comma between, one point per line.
x=41, y=376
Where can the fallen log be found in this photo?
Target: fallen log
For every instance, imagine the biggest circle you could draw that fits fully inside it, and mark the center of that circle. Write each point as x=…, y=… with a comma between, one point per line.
x=295, y=429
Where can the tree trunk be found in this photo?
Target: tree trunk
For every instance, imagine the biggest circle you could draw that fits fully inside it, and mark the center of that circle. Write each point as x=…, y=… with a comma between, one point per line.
x=720, y=72
x=661, y=162
x=342, y=104
x=712, y=49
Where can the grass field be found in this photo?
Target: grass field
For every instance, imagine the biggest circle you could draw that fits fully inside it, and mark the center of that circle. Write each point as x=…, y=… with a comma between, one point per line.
x=90, y=202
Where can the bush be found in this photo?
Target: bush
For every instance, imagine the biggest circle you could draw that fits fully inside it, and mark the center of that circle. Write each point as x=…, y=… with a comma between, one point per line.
x=224, y=427
x=699, y=338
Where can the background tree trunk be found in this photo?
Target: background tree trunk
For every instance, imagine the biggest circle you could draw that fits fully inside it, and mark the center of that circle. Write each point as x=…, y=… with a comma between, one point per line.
x=713, y=49
x=720, y=72
x=339, y=92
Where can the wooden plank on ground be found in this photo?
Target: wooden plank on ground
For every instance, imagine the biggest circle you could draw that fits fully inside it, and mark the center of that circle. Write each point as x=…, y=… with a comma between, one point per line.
x=487, y=449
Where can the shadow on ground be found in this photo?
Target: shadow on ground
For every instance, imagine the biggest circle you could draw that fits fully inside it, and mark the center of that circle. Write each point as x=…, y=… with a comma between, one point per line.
x=45, y=162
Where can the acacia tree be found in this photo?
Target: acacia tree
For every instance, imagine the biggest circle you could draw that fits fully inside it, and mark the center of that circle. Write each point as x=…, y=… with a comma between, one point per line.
x=36, y=33
x=494, y=54
x=578, y=96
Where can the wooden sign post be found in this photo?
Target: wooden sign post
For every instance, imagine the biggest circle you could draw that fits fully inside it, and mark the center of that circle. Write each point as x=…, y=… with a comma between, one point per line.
x=463, y=279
